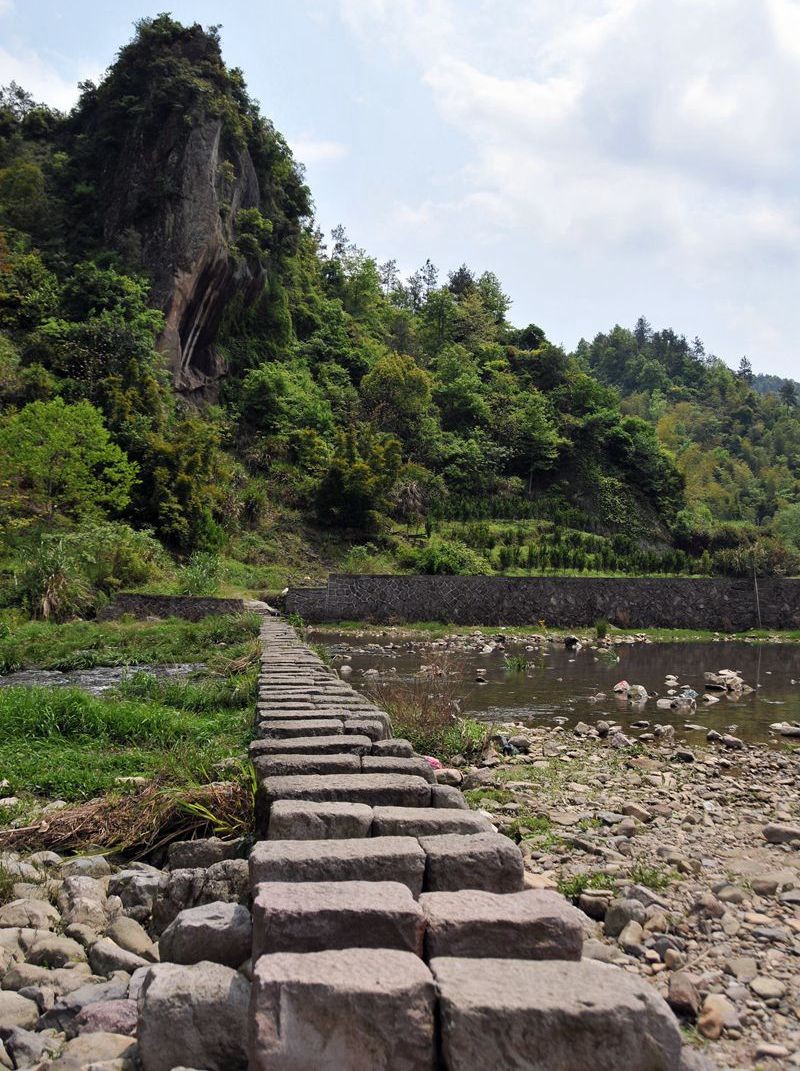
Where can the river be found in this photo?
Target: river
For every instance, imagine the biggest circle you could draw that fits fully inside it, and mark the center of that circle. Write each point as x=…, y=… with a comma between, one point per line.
x=559, y=682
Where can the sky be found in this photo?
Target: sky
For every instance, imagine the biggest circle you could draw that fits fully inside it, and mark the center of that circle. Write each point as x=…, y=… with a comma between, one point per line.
x=605, y=158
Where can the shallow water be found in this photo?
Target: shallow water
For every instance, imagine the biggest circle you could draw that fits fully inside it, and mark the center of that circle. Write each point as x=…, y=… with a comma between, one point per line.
x=95, y=681
x=559, y=682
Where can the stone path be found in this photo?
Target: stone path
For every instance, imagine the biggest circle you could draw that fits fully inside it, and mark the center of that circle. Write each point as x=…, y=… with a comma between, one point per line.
x=392, y=927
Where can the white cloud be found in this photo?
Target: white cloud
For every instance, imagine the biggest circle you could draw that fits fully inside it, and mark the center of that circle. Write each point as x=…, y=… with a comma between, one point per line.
x=649, y=133
x=40, y=78
x=317, y=150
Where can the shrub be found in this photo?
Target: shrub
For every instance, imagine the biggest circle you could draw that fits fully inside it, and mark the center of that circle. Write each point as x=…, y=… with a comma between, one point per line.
x=450, y=557
x=200, y=575
x=425, y=711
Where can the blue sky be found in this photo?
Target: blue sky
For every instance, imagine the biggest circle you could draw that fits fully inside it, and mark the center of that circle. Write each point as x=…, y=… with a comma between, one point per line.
x=606, y=158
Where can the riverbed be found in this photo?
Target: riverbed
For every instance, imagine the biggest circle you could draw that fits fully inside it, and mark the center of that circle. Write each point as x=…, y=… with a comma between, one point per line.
x=562, y=685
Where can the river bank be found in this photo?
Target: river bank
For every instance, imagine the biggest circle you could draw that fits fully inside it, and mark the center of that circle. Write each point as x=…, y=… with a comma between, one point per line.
x=684, y=861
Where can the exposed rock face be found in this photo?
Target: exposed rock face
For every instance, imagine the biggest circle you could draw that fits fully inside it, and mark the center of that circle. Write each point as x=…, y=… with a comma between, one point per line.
x=184, y=239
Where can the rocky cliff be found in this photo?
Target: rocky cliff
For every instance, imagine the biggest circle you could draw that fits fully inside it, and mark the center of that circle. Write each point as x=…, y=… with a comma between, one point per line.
x=174, y=151
x=186, y=238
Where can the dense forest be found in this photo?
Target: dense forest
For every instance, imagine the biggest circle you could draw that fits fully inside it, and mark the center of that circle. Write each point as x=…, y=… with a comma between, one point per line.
x=295, y=406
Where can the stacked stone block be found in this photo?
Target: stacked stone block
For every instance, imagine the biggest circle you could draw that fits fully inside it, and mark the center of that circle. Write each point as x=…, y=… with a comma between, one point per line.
x=392, y=928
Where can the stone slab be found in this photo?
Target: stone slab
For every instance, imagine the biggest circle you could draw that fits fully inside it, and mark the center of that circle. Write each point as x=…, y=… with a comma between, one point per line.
x=425, y=822
x=533, y=924
x=350, y=1010
x=290, y=714
x=317, y=745
x=299, y=727
x=486, y=861
x=390, y=764
x=448, y=796
x=533, y=1016
x=317, y=915
x=398, y=859
x=301, y=820
x=288, y=765
x=390, y=790
x=374, y=728
x=396, y=746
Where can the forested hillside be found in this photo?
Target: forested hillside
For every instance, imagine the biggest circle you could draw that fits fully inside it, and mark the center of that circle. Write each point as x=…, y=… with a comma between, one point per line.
x=199, y=388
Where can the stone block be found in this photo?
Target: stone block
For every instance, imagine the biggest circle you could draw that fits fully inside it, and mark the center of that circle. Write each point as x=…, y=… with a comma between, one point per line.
x=350, y=1010
x=425, y=822
x=316, y=916
x=390, y=764
x=299, y=727
x=372, y=859
x=533, y=924
x=390, y=790
x=398, y=748
x=193, y=1017
x=486, y=861
x=448, y=796
x=315, y=745
x=300, y=820
x=520, y=1015
x=375, y=728
x=288, y=765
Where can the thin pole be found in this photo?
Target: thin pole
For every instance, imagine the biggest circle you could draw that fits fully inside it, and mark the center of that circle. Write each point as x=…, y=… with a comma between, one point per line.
x=755, y=585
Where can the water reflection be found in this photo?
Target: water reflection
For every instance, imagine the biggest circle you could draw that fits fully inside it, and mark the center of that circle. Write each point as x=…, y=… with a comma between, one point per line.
x=559, y=683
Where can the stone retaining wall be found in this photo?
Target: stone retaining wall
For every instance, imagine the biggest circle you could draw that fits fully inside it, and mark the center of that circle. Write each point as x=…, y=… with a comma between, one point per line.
x=629, y=602
x=189, y=607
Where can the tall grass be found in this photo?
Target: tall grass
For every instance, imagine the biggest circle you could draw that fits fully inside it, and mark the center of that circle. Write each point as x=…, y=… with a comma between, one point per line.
x=63, y=742
x=86, y=644
x=425, y=711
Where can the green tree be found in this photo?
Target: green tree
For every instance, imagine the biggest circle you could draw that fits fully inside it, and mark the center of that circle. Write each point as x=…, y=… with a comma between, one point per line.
x=58, y=459
x=397, y=394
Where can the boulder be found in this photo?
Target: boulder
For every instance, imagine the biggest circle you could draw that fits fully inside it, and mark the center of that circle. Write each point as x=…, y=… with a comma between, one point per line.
x=195, y=1016
x=37, y=914
x=132, y=937
x=204, y=852
x=87, y=1050
x=17, y=1011
x=227, y=881
x=107, y=1016
x=218, y=932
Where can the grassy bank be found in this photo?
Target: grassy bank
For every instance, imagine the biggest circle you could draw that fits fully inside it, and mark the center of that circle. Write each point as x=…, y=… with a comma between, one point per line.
x=146, y=755
x=61, y=743
x=436, y=630
x=26, y=644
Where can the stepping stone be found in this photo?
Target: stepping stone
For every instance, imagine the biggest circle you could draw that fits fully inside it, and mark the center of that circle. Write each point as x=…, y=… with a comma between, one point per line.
x=374, y=728
x=300, y=727
x=317, y=915
x=369, y=859
x=399, y=749
x=486, y=861
x=520, y=1015
x=317, y=745
x=264, y=716
x=534, y=924
x=286, y=765
x=390, y=790
x=448, y=796
x=350, y=1010
x=299, y=820
x=390, y=764
x=425, y=822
